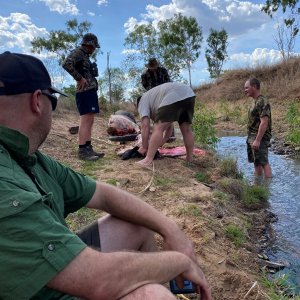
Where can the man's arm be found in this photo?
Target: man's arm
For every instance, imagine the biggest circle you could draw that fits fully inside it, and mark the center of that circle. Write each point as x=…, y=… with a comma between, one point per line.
x=128, y=207
x=144, y=81
x=145, y=129
x=261, y=131
x=96, y=275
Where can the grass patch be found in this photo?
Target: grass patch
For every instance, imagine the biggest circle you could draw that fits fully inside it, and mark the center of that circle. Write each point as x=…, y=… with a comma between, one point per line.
x=229, y=168
x=82, y=217
x=222, y=197
x=293, y=119
x=112, y=181
x=278, y=288
x=235, y=234
x=162, y=181
x=255, y=196
x=233, y=187
x=202, y=177
x=190, y=210
x=89, y=168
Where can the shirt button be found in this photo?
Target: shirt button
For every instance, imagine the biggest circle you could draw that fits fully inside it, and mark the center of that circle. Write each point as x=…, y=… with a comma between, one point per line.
x=15, y=203
x=51, y=247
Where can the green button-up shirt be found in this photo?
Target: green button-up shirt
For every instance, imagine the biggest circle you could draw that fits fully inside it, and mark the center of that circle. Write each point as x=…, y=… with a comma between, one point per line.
x=36, y=194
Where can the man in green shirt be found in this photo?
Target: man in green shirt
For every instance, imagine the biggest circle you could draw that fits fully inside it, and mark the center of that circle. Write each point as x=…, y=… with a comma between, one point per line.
x=40, y=258
x=259, y=129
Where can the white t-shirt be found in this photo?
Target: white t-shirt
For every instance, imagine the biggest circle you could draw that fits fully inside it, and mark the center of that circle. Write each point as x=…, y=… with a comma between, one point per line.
x=162, y=95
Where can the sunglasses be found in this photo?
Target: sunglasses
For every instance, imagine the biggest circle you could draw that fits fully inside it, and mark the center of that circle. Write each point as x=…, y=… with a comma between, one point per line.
x=51, y=97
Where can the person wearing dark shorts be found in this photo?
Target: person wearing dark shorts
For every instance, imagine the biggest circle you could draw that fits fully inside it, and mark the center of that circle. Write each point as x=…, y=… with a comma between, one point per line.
x=79, y=66
x=164, y=104
x=90, y=235
x=259, y=129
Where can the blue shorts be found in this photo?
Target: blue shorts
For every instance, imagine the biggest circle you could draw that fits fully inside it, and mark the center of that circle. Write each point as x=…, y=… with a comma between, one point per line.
x=87, y=102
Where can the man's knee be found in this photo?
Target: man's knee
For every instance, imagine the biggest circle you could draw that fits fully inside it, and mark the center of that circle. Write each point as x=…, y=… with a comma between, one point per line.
x=150, y=292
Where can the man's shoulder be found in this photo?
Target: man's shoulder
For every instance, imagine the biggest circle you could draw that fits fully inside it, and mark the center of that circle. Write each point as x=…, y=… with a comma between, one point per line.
x=77, y=52
x=262, y=100
x=145, y=72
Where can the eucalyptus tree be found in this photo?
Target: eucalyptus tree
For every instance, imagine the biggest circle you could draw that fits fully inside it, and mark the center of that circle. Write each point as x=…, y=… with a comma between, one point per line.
x=117, y=83
x=175, y=42
x=289, y=7
x=181, y=38
x=216, y=51
x=58, y=44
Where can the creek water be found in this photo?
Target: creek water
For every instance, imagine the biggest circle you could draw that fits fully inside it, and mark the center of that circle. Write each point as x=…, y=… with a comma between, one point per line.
x=284, y=202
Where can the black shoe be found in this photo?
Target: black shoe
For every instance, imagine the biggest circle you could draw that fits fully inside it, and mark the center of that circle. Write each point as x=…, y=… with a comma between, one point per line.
x=91, y=150
x=85, y=154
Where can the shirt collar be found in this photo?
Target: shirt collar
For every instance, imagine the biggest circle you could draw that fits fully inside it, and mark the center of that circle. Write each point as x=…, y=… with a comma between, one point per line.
x=17, y=145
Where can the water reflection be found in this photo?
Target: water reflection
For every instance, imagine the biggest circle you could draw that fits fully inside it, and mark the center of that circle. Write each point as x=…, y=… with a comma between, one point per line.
x=284, y=198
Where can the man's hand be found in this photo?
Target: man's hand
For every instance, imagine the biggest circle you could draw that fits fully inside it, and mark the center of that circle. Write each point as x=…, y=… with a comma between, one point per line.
x=195, y=275
x=81, y=84
x=255, y=145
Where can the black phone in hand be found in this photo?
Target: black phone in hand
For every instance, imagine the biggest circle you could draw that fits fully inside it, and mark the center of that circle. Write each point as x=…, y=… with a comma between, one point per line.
x=187, y=289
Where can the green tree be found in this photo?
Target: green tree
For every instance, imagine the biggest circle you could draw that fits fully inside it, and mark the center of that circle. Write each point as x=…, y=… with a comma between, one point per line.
x=216, y=51
x=291, y=7
x=61, y=42
x=181, y=38
x=175, y=43
x=58, y=44
x=118, y=83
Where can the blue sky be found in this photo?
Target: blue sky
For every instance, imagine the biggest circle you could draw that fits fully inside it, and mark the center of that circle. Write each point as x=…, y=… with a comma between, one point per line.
x=251, y=32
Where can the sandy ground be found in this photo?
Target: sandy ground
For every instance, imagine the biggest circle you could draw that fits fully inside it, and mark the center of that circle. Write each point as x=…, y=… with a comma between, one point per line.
x=172, y=188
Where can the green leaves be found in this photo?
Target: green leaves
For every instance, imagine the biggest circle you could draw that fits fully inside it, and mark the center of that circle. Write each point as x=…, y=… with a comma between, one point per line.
x=60, y=42
x=175, y=43
x=215, y=52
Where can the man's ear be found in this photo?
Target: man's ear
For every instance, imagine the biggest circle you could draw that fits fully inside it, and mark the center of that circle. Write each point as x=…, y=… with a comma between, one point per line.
x=36, y=102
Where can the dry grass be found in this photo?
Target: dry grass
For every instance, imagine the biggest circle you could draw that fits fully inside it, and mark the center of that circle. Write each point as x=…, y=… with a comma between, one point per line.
x=280, y=82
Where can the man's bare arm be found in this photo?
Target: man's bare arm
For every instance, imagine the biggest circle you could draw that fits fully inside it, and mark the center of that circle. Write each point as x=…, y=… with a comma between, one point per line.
x=145, y=129
x=261, y=131
x=96, y=275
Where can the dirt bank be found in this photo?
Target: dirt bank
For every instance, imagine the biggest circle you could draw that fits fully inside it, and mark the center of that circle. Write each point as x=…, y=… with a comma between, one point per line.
x=231, y=269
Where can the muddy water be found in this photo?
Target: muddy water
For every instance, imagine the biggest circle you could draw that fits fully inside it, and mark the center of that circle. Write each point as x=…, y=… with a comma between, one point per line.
x=284, y=200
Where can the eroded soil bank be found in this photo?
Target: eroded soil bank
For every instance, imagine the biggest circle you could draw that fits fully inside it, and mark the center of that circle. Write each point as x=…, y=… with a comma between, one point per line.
x=201, y=211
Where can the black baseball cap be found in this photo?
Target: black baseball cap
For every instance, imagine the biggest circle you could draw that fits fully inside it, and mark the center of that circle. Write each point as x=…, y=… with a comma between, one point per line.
x=21, y=73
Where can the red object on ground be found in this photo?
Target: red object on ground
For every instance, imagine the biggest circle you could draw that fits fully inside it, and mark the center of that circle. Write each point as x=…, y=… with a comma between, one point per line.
x=179, y=151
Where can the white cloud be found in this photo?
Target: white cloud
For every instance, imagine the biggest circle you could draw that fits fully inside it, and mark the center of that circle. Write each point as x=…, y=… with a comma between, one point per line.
x=236, y=17
x=17, y=31
x=259, y=57
x=90, y=13
x=130, y=51
x=130, y=24
x=61, y=6
x=102, y=2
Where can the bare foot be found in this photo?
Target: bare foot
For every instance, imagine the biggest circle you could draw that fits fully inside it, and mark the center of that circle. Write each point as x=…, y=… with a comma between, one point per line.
x=145, y=165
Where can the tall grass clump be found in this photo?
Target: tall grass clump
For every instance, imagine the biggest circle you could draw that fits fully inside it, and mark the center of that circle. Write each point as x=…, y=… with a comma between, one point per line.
x=203, y=126
x=278, y=288
x=252, y=197
x=293, y=119
x=229, y=168
x=255, y=196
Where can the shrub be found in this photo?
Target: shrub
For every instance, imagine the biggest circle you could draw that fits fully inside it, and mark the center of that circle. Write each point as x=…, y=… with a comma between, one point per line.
x=255, y=196
x=229, y=168
x=203, y=129
x=293, y=119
